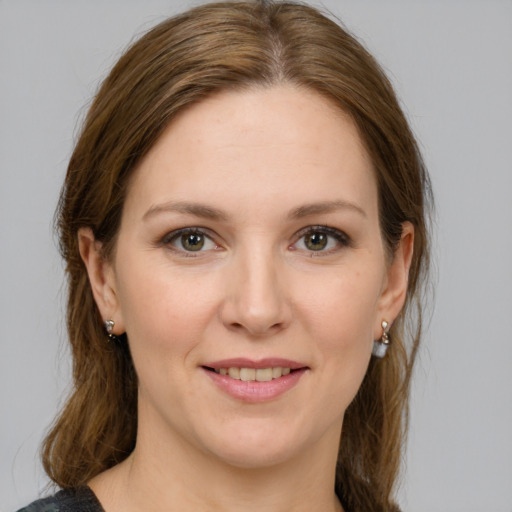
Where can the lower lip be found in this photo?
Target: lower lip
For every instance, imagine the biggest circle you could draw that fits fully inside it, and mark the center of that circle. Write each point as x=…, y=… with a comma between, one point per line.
x=254, y=391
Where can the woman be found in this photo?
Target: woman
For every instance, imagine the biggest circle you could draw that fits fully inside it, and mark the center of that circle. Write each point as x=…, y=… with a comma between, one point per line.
x=244, y=224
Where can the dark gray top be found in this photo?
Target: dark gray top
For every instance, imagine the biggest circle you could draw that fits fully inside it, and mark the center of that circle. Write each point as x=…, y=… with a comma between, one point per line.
x=80, y=499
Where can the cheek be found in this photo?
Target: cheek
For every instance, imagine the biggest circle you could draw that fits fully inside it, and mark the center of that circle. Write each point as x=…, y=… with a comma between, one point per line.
x=164, y=310
x=342, y=324
x=165, y=315
x=344, y=306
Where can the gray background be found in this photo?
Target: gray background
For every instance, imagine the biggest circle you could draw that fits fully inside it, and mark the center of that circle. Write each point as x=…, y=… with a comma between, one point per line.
x=451, y=63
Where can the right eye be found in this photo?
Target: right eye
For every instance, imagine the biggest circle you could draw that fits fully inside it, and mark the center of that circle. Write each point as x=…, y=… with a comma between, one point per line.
x=190, y=240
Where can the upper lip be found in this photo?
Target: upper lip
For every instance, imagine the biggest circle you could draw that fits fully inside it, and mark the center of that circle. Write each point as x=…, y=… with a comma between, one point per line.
x=242, y=362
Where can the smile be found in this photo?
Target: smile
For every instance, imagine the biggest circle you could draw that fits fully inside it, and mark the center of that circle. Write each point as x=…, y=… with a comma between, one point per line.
x=255, y=381
x=253, y=374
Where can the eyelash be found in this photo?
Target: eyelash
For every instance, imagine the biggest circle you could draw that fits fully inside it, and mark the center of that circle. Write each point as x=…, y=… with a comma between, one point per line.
x=340, y=237
x=173, y=236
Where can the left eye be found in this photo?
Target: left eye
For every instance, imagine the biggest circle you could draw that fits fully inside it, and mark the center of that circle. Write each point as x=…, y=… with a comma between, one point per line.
x=191, y=241
x=318, y=240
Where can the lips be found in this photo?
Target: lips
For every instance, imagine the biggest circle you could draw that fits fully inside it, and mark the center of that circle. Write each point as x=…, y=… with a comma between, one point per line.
x=255, y=381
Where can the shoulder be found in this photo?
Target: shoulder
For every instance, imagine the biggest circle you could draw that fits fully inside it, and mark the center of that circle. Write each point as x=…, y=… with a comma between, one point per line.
x=80, y=499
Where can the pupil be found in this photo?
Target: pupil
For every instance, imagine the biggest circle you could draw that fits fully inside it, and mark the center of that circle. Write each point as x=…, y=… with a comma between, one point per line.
x=316, y=241
x=192, y=242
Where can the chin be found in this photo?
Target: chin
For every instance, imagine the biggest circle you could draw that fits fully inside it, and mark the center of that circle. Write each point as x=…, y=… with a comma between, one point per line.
x=253, y=459
x=256, y=446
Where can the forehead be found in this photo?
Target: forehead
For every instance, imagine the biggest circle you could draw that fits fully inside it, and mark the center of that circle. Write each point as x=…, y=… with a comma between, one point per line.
x=260, y=145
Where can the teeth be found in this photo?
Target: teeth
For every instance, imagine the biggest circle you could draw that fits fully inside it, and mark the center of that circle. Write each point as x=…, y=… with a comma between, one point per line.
x=234, y=373
x=253, y=374
x=247, y=374
x=264, y=375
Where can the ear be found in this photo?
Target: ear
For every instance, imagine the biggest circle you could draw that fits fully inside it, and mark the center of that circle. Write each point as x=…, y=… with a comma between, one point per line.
x=102, y=278
x=394, y=292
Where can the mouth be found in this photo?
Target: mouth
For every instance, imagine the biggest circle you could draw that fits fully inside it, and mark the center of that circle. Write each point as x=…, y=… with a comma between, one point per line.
x=255, y=381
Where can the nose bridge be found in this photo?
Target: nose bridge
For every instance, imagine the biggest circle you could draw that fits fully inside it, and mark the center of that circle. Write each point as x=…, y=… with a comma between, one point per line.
x=257, y=299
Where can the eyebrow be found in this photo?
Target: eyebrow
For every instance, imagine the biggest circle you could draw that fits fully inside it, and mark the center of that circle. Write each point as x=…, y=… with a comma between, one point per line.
x=325, y=207
x=196, y=209
x=209, y=212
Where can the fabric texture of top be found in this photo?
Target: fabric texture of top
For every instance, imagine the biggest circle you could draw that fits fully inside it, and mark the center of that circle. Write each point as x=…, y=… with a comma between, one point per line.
x=80, y=499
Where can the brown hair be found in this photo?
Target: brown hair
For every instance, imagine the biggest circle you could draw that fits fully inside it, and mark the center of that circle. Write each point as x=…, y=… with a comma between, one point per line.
x=214, y=47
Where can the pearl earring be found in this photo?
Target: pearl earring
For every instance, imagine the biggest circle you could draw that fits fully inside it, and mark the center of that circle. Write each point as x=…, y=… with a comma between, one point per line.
x=380, y=347
x=109, y=327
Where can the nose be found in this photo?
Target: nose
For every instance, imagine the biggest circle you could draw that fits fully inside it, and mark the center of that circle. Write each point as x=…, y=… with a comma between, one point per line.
x=256, y=300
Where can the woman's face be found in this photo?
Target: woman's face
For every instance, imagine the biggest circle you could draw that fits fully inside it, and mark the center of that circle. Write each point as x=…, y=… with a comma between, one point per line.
x=251, y=278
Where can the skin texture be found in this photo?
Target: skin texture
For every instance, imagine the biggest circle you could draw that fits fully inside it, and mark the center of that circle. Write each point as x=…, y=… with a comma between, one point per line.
x=258, y=159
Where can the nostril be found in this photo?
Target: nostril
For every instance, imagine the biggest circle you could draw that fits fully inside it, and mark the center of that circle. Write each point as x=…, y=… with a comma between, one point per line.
x=257, y=330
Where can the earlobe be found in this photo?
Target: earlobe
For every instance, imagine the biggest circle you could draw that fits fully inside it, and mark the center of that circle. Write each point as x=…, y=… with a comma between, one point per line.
x=101, y=278
x=393, y=296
